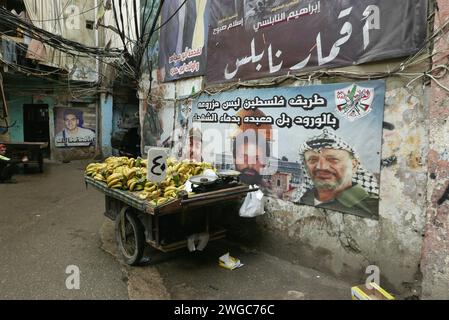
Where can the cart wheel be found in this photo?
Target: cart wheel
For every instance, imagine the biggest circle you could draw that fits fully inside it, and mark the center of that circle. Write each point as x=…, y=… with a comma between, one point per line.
x=130, y=237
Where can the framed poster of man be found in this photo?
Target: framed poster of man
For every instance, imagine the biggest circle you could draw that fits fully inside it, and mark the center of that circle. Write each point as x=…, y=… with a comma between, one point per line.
x=72, y=129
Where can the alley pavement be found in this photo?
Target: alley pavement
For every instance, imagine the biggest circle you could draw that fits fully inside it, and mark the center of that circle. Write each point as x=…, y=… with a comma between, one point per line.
x=50, y=221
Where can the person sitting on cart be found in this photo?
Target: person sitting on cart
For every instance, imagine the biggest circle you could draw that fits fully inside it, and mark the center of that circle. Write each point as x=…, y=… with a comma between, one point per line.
x=8, y=167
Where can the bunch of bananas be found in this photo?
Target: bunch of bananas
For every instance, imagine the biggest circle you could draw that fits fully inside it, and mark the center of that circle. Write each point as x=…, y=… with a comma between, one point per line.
x=178, y=172
x=95, y=170
x=130, y=174
x=123, y=177
x=120, y=173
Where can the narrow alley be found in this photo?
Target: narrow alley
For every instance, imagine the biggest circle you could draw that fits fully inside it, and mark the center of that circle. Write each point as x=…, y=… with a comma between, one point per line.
x=54, y=222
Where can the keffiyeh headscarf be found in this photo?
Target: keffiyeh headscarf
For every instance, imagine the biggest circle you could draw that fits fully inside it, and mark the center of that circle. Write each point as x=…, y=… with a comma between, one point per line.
x=328, y=140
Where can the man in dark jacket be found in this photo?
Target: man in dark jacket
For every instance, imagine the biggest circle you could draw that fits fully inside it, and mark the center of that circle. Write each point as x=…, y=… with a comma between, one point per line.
x=7, y=167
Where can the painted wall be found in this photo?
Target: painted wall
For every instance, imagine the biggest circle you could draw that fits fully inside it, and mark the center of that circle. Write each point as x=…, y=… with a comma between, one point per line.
x=56, y=99
x=16, y=114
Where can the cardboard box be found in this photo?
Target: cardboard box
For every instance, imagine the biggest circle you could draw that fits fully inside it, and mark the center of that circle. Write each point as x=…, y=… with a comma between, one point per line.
x=363, y=293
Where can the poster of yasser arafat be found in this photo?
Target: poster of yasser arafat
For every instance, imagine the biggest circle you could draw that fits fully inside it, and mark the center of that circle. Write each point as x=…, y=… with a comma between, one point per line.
x=315, y=145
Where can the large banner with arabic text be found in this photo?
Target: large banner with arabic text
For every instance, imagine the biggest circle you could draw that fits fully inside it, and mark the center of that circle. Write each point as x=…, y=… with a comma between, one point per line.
x=315, y=145
x=251, y=39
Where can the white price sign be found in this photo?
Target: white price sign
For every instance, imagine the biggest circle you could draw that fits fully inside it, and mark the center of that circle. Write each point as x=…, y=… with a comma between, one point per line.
x=157, y=164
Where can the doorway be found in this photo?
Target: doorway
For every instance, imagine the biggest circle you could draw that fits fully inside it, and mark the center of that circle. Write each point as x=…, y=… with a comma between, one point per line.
x=36, y=126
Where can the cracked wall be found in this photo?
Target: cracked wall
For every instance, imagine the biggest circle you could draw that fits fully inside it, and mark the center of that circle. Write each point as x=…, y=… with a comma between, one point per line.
x=435, y=258
x=344, y=244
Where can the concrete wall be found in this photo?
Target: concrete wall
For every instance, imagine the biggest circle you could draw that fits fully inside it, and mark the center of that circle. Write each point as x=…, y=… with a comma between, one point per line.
x=346, y=245
x=410, y=242
x=105, y=122
x=435, y=253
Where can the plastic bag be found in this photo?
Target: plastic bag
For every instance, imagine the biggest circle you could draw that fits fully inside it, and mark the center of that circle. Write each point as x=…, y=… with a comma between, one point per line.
x=253, y=206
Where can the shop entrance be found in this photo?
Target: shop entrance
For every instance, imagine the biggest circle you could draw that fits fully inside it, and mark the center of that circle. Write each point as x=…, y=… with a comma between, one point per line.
x=36, y=126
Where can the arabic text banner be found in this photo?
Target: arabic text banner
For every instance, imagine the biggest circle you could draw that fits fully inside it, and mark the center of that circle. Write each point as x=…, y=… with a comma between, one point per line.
x=315, y=145
x=182, y=49
x=258, y=38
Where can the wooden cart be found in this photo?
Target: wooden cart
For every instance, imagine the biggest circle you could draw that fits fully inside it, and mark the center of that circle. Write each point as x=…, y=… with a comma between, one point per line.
x=164, y=227
x=33, y=150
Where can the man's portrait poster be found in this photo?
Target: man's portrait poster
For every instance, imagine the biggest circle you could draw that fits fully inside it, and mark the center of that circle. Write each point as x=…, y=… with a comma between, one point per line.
x=74, y=127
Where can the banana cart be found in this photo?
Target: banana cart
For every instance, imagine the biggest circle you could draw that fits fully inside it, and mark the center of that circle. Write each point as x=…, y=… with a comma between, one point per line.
x=167, y=227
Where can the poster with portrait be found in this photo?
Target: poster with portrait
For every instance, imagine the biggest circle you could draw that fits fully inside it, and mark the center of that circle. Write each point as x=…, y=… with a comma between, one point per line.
x=251, y=39
x=182, y=125
x=183, y=36
x=317, y=145
x=74, y=127
x=157, y=124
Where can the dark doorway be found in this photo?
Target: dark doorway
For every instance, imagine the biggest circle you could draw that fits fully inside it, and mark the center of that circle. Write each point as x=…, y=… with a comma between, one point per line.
x=36, y=127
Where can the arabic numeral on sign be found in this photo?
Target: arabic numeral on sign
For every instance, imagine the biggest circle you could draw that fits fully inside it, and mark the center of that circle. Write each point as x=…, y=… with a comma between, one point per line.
x=157, y=164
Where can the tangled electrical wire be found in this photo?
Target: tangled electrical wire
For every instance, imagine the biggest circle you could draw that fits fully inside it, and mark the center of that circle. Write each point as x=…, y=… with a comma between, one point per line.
x=10, y=21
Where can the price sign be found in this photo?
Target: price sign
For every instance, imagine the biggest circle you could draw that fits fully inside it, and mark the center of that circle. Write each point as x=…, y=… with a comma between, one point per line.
x=157, y=164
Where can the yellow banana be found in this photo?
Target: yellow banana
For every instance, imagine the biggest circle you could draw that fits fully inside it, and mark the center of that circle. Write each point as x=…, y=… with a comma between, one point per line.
x=114, y=176
x=170, y=161
x=148, y=184
x=177, y=166
x=99, y=177
x=131, y=174
x=198, y=171
x=155, y=193
x=143, y=195
x=161, y=201
x=151, y=189
x=170, y=194
x=171, y=188
x=132, y=184
x=113, y=183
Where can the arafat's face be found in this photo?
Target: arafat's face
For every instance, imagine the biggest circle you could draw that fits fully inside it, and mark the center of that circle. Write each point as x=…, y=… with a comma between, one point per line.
x=2, y=149
x=330, y=168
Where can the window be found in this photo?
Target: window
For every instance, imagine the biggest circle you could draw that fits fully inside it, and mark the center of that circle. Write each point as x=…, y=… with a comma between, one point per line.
x=89, y=24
